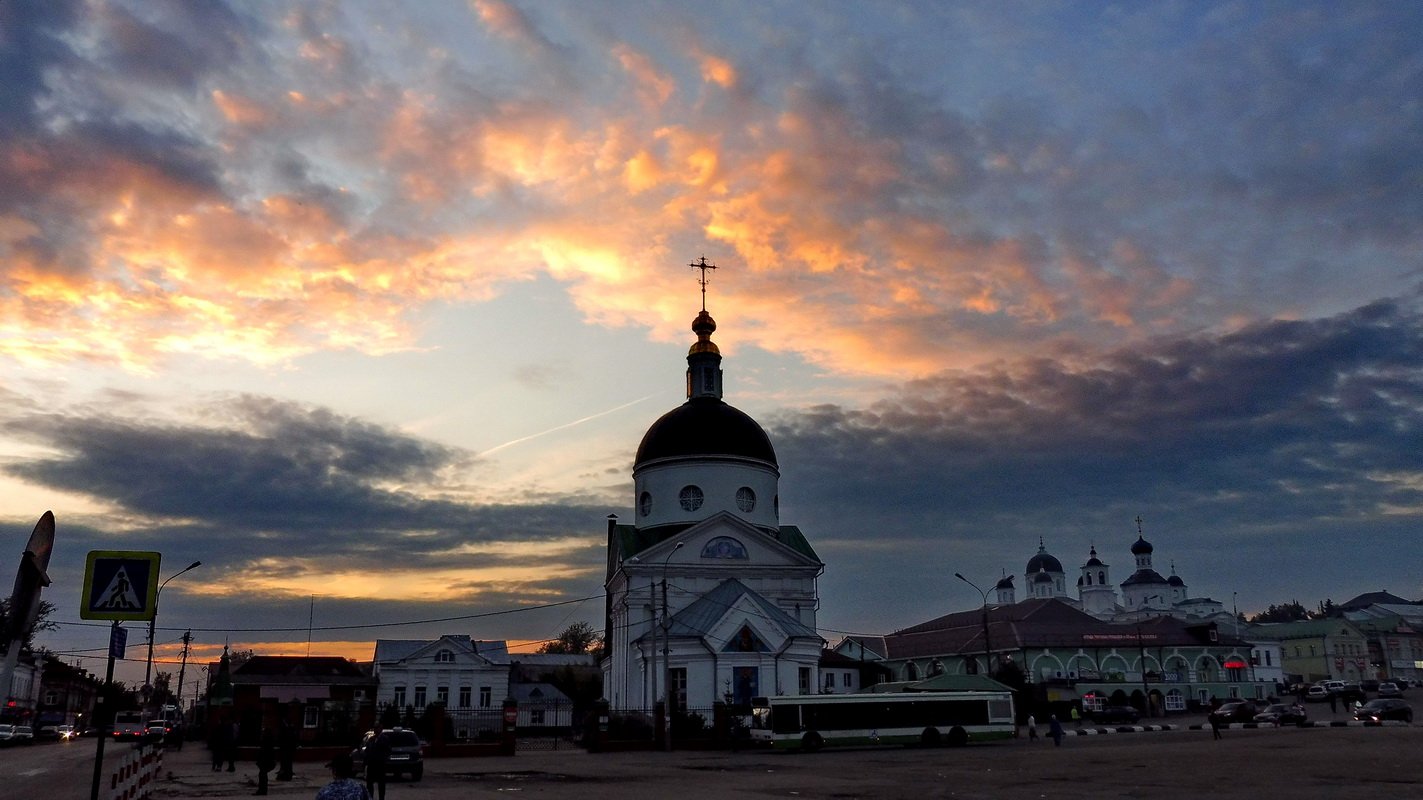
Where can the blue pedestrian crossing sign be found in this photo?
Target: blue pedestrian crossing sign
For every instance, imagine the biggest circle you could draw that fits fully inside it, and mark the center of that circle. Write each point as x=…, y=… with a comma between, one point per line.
x=120, y=585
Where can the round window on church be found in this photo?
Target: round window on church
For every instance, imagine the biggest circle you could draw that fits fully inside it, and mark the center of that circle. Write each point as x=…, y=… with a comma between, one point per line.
x=691, y=498
x=644, y=504
x=746, y=499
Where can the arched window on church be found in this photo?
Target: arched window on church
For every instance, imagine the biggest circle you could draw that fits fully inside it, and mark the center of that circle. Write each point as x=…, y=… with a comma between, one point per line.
x=911, y=671
x=1089, y=579
x=1102, y=578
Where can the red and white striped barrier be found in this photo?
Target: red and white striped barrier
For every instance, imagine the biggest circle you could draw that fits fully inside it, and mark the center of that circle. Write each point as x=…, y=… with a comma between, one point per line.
x=136, y=775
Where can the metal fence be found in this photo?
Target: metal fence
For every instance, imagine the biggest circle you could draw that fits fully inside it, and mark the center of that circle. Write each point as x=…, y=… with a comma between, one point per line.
x=546, y=725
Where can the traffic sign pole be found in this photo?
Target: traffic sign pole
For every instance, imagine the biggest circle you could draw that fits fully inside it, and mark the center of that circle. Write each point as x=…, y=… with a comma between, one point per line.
x=105, y=718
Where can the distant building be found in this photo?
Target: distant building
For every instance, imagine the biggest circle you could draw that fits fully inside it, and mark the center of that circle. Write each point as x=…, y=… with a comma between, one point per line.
x=1394, y=633
x=1068, y=655
x=320, y=696
x=454, y=670
x=1320, y=649
x=1144, y=594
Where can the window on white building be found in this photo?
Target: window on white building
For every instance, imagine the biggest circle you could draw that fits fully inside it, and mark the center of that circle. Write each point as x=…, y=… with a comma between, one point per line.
x=399, y=697
x=445, y=655
x=311, y=717
x=845, y=680
x=419, y=697
x=486, y=696
x=536, y=716
x=442, y=695
x=803, y=685
x=464, y=696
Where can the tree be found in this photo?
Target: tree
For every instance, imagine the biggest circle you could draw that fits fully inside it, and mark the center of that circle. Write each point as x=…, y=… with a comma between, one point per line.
x=42, y=623
x=577, y=639
x=1292, y=611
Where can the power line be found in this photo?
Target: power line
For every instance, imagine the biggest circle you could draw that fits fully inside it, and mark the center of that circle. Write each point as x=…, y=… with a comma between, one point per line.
x=462, y=617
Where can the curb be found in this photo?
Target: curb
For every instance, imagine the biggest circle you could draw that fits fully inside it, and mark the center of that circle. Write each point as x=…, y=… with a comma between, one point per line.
x=1353, y=723
x=1119, y=729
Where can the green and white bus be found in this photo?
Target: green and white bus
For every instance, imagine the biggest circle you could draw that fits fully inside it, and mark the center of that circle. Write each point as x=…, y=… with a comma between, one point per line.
x=811, y=721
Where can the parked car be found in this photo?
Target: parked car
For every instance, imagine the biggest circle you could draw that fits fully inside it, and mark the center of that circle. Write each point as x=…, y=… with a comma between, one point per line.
x=7, y=734
x=1110, y=715
x=1283, y=714
x=158, y=731
x=1387, y=708
x=1235, y=711
x=406, y=753
x=1390, y=689
x=66, y=732
x=1349, y=692
x=23, y=734
x=1316, y=694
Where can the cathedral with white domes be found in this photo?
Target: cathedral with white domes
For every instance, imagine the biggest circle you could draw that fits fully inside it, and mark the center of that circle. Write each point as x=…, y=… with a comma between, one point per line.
x=1145, y=593
x=709, y=596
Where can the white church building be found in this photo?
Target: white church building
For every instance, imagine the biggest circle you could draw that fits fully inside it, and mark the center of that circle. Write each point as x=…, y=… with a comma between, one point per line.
x=708, y=594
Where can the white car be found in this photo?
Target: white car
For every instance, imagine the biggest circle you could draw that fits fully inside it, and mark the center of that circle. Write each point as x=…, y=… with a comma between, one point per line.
x=22, y=734
x=7, y=734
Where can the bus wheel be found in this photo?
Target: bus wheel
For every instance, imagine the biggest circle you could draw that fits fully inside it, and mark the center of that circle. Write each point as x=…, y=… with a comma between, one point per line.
x=930, y=737
x=958, y=737
x=811, y=742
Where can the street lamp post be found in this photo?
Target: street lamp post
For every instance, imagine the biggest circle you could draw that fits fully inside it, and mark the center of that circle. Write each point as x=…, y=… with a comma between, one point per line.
x=153, y=622
x=987, y=644
x=667, y=651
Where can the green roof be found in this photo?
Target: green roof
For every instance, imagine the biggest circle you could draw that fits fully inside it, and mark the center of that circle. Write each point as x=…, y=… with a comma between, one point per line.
x=944, y=683
x=631, y=540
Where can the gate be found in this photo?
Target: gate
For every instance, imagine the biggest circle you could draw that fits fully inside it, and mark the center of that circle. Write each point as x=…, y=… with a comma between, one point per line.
x=545, y=725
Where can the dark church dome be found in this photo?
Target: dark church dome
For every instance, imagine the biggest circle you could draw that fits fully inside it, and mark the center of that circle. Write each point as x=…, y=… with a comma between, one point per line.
x=705, y=426
x=1042, y=561
x=1141, y=546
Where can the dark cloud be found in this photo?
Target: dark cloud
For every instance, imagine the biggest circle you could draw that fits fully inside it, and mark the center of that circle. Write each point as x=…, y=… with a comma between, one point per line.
x=1239, y=443
x=272, y=476
x=30, y=44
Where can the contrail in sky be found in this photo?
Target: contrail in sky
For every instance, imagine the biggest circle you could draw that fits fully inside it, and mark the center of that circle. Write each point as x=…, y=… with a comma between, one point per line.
x=578, y=421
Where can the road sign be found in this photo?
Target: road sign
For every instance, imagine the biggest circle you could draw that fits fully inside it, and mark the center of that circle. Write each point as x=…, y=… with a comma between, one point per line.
x=120, y=585
x=118, y=640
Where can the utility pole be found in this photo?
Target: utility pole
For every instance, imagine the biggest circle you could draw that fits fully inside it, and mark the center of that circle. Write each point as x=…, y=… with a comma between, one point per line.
x=182, y=670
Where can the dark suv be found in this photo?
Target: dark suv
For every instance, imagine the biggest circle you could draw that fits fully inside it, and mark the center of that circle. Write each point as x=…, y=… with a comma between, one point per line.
x=1235, y=711
x=406, y=753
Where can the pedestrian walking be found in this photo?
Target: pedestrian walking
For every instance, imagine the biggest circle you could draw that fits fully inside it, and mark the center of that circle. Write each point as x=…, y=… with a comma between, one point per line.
x=1032, y=728
x=217, y=744
x=376, y=755
x=286, y=748
x=1215, y=726
x=1054, y=729
x=266, y=759
x=234, y=734
x=1076, y=717
x=342, y=785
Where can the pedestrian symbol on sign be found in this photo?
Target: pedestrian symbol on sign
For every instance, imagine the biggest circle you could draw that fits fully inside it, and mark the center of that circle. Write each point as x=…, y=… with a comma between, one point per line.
x=120, y=585
x=120, y=595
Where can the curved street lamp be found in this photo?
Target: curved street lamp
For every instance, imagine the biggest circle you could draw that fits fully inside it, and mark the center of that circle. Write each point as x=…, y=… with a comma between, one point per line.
x=987, y=645
x=153, y=622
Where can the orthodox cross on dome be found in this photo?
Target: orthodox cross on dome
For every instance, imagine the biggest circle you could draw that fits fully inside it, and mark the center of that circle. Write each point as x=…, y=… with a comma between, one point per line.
x=702, y=265
x=1138, y=525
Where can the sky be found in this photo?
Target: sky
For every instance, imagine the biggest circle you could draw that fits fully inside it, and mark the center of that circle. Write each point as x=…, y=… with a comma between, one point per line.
x=367, y=305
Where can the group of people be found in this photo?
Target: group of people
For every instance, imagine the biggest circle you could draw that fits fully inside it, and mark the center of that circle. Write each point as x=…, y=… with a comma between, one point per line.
x=1054, y=728
x=344, y=786
x=277, y=751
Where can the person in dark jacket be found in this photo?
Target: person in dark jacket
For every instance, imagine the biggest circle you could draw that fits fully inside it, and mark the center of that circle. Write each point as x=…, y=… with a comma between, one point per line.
x=376, y=757
x=266, y=759
x=286, y=748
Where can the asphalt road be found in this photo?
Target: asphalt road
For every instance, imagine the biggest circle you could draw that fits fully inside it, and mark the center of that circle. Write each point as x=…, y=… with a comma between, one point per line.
x=1342, y=763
